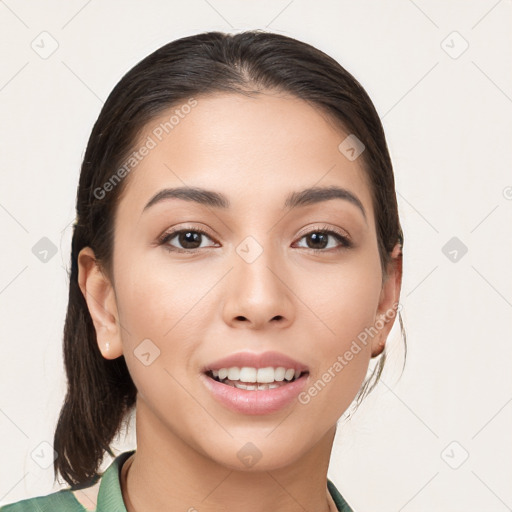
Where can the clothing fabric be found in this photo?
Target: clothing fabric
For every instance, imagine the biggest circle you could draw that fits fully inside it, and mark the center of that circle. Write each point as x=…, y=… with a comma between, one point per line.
x=103, y=494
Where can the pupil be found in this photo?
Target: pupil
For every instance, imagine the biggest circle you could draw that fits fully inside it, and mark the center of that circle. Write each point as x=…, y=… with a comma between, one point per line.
x=319, y=236
x=188, y=237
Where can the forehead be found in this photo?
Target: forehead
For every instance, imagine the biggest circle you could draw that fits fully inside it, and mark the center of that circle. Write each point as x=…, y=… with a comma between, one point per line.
x=255, y=149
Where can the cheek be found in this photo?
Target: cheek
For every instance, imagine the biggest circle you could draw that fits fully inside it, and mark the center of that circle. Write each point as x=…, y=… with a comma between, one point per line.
x=158, y=310
x=344, y=304
x=345, y=299
x=165, y=309
x=341, y=364
x=158, y=300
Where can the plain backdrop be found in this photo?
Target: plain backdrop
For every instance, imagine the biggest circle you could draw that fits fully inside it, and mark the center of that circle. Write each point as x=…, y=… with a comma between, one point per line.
x=439, y=73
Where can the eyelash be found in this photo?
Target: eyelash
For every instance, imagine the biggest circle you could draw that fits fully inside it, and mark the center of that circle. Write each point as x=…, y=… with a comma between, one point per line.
x=166, y=237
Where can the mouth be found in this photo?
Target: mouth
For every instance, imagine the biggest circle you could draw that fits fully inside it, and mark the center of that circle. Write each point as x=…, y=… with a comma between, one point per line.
x=255, y=391
x=252, y=379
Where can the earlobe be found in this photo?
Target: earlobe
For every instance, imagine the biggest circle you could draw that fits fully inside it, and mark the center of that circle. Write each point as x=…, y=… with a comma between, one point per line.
x=101, y=303
x=378, y=348
x=388, y=302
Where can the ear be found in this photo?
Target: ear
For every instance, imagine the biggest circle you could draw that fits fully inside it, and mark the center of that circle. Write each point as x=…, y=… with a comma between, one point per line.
x=101, y=302
x=388, y=303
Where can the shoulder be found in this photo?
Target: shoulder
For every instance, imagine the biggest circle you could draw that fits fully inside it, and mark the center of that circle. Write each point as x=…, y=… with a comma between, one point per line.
x=63, y=500
x=338, y=499
x=103, y=489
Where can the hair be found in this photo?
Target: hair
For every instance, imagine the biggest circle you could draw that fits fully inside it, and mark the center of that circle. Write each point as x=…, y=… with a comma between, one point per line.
x=100, y=392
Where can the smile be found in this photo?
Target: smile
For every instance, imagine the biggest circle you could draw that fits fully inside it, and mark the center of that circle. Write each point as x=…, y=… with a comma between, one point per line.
x=248, y=395
x=255, y=379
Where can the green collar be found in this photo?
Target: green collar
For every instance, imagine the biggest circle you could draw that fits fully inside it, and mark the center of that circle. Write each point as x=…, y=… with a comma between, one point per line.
x=110, y=497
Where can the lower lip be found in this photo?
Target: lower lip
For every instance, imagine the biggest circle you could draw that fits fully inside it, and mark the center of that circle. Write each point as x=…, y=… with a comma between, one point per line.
x=254, y=402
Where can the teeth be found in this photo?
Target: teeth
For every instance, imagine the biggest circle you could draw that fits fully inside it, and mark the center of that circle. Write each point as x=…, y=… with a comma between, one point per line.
x=234, y=373
x=247, y=374
x=252, y=387
x=279, y=374
x=290, y=374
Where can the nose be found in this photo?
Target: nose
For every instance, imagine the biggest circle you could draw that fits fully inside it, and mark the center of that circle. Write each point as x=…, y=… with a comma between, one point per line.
x=257, y=294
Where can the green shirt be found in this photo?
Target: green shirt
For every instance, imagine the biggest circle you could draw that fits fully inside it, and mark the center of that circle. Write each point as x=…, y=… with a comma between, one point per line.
x=105, y=491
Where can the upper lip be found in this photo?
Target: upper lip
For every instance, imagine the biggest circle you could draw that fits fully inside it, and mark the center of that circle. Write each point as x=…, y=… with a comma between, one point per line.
x=255, y=360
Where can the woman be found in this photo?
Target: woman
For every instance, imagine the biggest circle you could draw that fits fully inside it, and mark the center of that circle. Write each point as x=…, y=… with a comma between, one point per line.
x=236, y=263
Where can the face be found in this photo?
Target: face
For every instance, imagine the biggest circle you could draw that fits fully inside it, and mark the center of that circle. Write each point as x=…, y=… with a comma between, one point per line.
x=196, y=282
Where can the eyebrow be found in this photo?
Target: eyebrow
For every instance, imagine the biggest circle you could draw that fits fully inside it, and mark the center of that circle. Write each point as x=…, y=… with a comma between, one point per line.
x=218, y=200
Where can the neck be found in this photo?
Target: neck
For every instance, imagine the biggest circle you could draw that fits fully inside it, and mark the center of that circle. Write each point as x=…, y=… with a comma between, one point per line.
x=166, y=473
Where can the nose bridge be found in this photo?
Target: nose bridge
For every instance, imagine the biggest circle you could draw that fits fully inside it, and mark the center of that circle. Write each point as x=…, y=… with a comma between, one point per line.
x=257, y=291
x=253, y=264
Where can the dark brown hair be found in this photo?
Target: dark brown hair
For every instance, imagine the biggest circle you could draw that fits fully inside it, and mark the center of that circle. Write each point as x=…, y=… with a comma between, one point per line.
x=100, y=392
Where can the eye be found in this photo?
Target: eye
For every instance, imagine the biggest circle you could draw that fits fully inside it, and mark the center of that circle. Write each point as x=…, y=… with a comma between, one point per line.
x=320, y=239
x=189, y=239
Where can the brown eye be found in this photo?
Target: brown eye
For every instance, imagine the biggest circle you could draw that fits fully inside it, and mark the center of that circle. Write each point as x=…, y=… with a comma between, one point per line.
x=321, y=240
x=187, y=239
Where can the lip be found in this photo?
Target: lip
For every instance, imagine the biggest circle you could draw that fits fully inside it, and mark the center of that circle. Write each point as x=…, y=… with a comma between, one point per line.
x=254, y=402
x=255, y=360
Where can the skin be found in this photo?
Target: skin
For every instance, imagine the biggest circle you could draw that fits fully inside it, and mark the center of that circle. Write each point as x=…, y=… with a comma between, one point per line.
x=209, y=303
